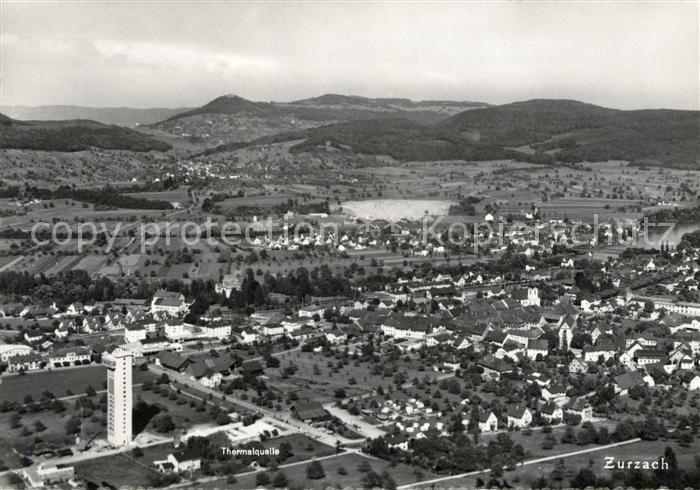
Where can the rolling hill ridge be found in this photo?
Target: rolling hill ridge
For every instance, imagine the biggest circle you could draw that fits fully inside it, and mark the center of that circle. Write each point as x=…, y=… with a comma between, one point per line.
x=230, y=118
x=73, y=135
x=122, y=116
x=541, y=130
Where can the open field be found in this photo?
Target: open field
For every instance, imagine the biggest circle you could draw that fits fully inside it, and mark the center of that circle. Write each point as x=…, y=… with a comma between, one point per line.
x=62, y=382
x=352, y=478
x=174, y=195
x=639, y=451
x=123, y=469
x=15, y=442
x=318, y=376
x=181, y=409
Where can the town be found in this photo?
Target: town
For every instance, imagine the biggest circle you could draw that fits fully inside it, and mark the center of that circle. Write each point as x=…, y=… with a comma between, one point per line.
x=537, y=347
x=349, y=245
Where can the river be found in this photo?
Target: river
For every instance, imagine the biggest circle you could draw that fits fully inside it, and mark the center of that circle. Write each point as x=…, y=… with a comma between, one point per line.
x=667, y=236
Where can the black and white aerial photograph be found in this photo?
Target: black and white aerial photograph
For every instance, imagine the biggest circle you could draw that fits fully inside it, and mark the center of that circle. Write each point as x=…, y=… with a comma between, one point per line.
x=349, y=245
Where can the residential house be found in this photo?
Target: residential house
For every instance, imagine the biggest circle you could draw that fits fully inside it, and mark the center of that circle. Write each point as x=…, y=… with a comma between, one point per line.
x=461, y=343
x=624, y=382
x=407, y=327
x=134, y=332
x=580, y=407
x=171, y=360
x=32, y=336
x=552, y=412
x=205, y=375
x=494, y=367
x=169, y=302
x=175, y=330
x=310, y=411
x=526, y=296
x=649, y=356
x=519, y=417
x=44, y=475
x=488, y=422
x=70, y=356
x=523, y=337
x=537, y=347
x=61, y=332
x=577, y=366
x=218, y=330
x=555, y=393
x=248, y=336
x=153, y=345
x=230, y=283
x=185, y=460
x=25, y=362
x=11, y=350
x=309, y=311
x=252, y=367
x=336, y=337
x=604, y=348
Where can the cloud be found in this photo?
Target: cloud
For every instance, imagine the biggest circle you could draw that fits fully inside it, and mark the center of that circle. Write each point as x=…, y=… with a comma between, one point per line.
x=173, y=56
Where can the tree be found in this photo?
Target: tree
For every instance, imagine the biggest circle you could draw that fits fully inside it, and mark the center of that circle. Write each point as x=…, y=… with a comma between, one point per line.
x=496, y=468
x=262, y=479
x=280, y=480
x=584, y=478
x=670, y=458
x=652, y=429
x=549, y=442
x=372, y=479
x=315, y=471
x=569, y=437
x=285, y=451
x=388, y=482
x=39, y=426
x=73, y=425
x=163, y=423
x=648, y=306
x=559, y=471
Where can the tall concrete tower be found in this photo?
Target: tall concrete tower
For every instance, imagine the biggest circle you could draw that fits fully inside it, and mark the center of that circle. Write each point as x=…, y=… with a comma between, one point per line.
x=119, y=396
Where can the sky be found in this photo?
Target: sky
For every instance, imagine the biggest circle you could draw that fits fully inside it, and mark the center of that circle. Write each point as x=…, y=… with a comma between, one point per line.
x=626, y=55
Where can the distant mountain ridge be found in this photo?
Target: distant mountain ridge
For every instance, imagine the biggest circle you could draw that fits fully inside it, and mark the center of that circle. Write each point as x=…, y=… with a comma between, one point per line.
x=122, y=116
x=539, y=130
x=233, y=104
x=230, y=118
x=73, y=135
x=573, y=131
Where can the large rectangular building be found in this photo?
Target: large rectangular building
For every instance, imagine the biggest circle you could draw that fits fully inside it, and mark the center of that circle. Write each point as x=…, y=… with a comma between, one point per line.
x=120, y=400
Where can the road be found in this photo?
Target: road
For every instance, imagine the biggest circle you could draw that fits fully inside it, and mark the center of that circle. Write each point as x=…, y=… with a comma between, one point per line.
x=9, y=265
x=525, y=463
